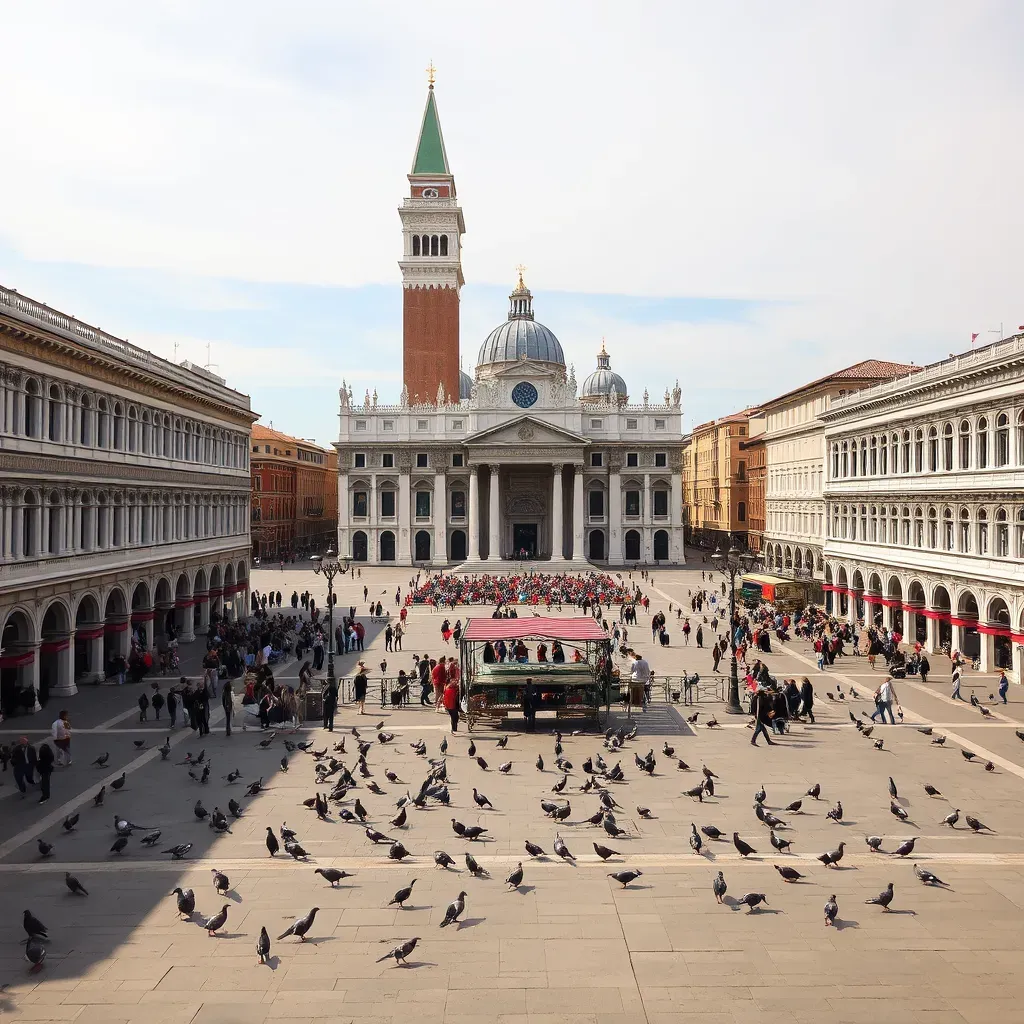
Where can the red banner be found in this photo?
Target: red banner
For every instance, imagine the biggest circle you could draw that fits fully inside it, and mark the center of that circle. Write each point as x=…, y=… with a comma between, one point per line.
x=17, y=660
x=90, y=633
x=201, y=598
x=52, y=646
x=963, y=622
x=115, y=627
x=995, y=630
x=143, y=616
x=184, y=602
x=216, y=591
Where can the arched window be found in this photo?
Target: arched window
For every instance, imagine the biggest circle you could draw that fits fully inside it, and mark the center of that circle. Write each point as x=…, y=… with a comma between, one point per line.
x=873, y=522
x=31, y=514
x=444, y=245
x=85, y=431
x=965, y=444
x=982, y=448
x=947, y=529
x=863, y=457
x=835, y=463
x=982, y=532
x=918, y=527
x=883, y=457
x=133, y=430
x=845, y=460
x=873, y=457
x=1002, y=440
x=933, y=450
x=54, y=524
x=933, y=528
x=741, y=511
x=32, y=422
x=119, y=427
x=179, y=440
x=905, y=452
x=1002, y=534
x=1020, y=438
x=55, y=414
x=947, y=447
x=905, y=527
x=415, y=245
x=425, y=242
x=1020, y=533
x=103, y=424
x=853, y=458
x=965, y=531
x=433, y=245
x=918, y=451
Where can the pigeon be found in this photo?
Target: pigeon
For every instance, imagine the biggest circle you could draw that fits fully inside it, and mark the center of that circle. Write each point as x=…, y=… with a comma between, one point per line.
x=74, y=884
x=35, y=954
x=878, y=744
x=97, y=800
x=119, y=844
x=443, y=860
x=968, y=755
x=644, y=812
x=925, y=730
x=402, y=895
x=300, y=927
x=473, y=832
x=34, y=928
x=560, y=785
x=939, y=740
x=712, y=832
x=215, y=923
x=480, y=800
x=360, y=810
x=535, y=851
x=233, y=776
x=695, y=840
x=254, y=787
x=769, y=819
x=931, y=790
x=119, y=783
x=952, y=818
x=333, y=875
x=926, y=876
x=102, y=760
x=272, y=844
x=540, y=763
x=199, y=810
x=697, y=793
x=186, y=901
x=976, y=825
x=760, y=796
x=709, y=787
x=289, y=835
x=898, y=812
x=611, y=828
x=832, y=857
x=711, y=723
x=831, y=911
x=794, y=806
x=718, y=887
x=788, y=874
x=562, y=850
x=515, y=879
x=754, y=899
x=905, y=848
x=505, y=767
x=780, y=844
x=502, y=743
x=874, y=843
x=473, y=867
x=471, y=751
x=400, y=952
x=45, y=848
x=399, y=819
x=377, y=837
x=263, y=946
x=482, y=763
x=892, y=789
x=295, y=851
x=744, y=849
x=454, y=911
x=836, y=813
x=883, y=899
x=625, y=877
x=604, y=852
x=989, y=766
x=220, y=882
x=69, y=823
x=692, y=719
x=397, y=852
x=814, y=792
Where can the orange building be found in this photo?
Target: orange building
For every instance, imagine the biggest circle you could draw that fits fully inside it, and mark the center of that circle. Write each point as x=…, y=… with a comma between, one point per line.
x=755, y=451
x=294, y=495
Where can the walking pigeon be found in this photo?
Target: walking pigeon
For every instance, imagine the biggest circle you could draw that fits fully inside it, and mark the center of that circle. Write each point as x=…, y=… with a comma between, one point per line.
x=454, y=911
x=300, y=927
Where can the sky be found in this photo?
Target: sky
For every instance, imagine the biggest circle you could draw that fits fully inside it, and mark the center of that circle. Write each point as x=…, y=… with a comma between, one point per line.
x=742, y=196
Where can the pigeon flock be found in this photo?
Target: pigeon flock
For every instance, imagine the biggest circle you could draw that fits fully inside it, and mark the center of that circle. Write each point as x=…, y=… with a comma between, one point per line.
x=348, y=795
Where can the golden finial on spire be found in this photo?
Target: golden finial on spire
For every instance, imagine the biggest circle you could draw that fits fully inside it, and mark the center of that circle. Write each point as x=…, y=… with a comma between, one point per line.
x=603, y=351
x=521, y=269
x=431, y=72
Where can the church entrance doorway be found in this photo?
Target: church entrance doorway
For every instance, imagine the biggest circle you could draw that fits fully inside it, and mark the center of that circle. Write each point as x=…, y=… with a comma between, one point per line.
x=524, y=540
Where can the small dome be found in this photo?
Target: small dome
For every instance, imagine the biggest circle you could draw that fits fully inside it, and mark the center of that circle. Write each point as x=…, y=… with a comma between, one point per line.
x=603, y=380
x=465, y=386
x=521, y=337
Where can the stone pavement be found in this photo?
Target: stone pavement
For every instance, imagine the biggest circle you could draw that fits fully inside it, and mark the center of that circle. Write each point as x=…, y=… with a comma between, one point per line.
x=570, y=945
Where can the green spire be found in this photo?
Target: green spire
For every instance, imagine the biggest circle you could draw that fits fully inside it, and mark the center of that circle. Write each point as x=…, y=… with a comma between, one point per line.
x=430, y=155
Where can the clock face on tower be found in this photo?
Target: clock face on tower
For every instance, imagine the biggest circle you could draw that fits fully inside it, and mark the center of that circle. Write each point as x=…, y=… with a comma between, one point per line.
x=430, y=193
x=524, y=394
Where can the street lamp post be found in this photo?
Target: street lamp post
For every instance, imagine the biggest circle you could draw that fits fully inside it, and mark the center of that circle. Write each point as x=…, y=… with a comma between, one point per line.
x=329, y=566
x=733, y=563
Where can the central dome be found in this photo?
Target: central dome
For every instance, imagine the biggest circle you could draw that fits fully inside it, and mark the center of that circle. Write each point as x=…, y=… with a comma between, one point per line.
x=520, y=337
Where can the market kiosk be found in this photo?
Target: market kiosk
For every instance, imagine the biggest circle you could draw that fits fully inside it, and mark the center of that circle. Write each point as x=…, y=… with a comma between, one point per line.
x=572, y=690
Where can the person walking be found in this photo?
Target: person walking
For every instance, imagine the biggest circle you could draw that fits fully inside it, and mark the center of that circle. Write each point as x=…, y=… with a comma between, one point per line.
x=686, y=632
x=158, y=701
x=439, y=678
x=924, y=667
x=211, y=665
x=761, y=708
x=227, y=701
x=330, y=704
x=450, y=697
x=1004, y=685
x=423, y=669
x=716, y=656
x=807, y=699
x=957, y=671
x=60, y=732
x=359, y=684
x=23, y=764
x=885, y=697
x=700, y=635
x=202, y=699
x=44, y=763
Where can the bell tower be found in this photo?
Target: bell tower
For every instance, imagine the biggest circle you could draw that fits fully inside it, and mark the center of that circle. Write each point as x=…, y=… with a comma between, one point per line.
x=431, y=264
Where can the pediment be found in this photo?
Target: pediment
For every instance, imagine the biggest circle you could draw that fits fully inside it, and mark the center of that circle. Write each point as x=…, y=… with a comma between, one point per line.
x=525, y=369
x=526, y=430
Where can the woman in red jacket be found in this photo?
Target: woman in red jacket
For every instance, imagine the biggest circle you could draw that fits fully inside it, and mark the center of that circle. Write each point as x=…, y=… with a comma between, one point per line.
x=451, y=703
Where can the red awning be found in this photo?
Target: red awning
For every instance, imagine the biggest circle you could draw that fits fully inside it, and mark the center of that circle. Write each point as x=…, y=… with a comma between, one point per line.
x=535, y=628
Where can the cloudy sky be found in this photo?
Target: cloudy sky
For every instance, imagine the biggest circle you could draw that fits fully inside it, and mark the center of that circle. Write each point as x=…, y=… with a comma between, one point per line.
x=739, y=195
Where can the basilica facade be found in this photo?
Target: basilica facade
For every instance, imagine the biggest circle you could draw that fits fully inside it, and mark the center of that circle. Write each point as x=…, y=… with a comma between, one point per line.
x=516, y=462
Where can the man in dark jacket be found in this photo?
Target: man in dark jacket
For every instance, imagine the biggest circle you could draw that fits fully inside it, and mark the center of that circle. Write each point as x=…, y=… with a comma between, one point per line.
x=807, y=699
x=761, y=708
x=23, y=763
x=330, y=704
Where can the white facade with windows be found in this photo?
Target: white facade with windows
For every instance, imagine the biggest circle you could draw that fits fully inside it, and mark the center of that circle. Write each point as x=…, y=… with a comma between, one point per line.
x=925, y=504
x=521, y=468
x=124, y=494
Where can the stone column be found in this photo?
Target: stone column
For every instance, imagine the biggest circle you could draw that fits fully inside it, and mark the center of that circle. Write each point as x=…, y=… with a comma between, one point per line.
x=648, y=512
x=64, y=685
x=97, y=670
x=7, y=549
x=404, y=533
x=31, y=676
x=988, y=653
x=440, y=517
x=473, y=522
x=577, y=513
x=614, y=539
x=494, y=552
x=677, y=550
x=557, y=525
x=343, y=542
x=932, y=639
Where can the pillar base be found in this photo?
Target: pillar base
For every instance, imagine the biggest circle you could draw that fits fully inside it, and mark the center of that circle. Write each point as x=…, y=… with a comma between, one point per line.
x=67, y=690
x=187, y=638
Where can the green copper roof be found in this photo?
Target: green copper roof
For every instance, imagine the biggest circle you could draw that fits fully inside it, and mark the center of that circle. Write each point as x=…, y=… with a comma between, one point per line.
x=430, y=156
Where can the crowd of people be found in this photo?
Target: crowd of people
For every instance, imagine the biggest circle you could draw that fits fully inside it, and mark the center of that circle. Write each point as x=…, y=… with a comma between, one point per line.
x=552, y=590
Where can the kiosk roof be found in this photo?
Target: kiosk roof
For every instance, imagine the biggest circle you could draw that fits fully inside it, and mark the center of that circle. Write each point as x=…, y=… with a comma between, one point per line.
x=535, y=627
